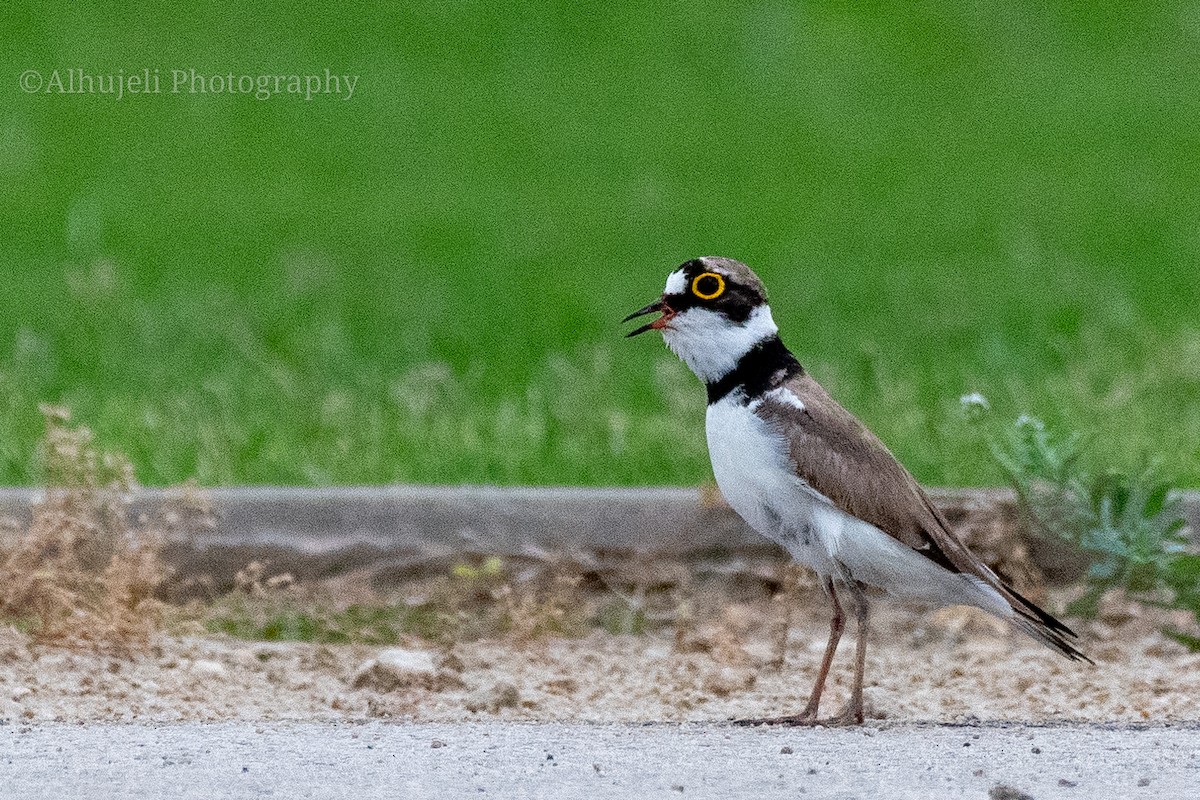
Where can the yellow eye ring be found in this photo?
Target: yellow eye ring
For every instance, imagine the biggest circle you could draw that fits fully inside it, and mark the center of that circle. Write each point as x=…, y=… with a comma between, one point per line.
x=715, y=293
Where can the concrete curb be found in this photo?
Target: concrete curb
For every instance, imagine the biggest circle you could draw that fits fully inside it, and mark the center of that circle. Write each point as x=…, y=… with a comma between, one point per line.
x=312, y=531
x=477, y=518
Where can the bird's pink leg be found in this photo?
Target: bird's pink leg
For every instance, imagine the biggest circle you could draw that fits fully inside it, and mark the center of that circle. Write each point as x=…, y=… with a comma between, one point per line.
x=853, y=714
x=809, y=715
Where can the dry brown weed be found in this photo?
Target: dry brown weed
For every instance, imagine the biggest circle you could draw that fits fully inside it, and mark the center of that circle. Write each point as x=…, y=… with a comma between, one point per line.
x=84, y=573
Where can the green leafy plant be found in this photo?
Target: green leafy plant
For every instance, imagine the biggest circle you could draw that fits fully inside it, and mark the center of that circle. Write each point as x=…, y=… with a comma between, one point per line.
x=1133, y=533
x=1130, y=527
x=1183, y=576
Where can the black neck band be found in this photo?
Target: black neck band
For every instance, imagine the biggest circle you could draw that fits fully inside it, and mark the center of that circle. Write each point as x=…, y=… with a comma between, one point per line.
x=767, y=365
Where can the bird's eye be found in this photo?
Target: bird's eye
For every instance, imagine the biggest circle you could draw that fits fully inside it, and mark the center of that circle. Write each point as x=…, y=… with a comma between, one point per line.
x=708, y=286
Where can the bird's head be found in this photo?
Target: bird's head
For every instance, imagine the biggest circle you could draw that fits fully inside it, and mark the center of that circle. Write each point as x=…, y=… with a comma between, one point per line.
x=714, y=310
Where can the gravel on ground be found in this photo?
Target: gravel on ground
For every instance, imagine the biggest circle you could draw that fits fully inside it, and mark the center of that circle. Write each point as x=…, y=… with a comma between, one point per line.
x=947, y=666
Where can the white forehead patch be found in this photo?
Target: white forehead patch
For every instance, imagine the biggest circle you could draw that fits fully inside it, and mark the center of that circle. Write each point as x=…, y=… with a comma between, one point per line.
x=676, y=283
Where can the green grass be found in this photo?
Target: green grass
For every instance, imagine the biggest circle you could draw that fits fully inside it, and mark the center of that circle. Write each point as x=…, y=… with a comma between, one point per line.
x=424, y=283
x=364, y=624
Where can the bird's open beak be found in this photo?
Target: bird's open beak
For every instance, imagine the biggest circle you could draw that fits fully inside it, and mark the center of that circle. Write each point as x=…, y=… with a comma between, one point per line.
x=668, y=314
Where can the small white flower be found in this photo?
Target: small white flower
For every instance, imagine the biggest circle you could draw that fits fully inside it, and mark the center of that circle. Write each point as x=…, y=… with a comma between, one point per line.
x=1026, y=421
x=974, y=402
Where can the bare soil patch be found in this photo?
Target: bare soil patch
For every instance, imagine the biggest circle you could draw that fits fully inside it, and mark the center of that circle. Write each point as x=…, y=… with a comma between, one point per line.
x=948, y=665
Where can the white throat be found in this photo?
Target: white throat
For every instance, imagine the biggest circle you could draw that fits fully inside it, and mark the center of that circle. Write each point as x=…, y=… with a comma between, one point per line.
x=711, y=344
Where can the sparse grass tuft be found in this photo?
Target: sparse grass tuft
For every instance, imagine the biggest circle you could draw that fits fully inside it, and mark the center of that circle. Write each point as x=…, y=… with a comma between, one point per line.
x=277, y=609
x=83, y=573
x=484, y=596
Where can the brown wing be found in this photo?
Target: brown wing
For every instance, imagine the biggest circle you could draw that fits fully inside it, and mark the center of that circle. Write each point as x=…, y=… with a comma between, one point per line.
x=839, y=457
x=836, y=455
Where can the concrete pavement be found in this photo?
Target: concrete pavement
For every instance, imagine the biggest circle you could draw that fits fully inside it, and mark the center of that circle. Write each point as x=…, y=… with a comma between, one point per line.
x=580, y=760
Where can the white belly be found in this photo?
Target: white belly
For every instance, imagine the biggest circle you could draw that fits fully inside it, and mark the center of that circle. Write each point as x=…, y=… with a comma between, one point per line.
x=754, y=472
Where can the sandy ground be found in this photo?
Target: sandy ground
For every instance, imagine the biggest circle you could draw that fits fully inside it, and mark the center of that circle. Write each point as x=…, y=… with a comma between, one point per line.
x=947, y=666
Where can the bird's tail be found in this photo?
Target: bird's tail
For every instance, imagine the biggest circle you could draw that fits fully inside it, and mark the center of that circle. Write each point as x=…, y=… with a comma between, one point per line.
x=1050, y=631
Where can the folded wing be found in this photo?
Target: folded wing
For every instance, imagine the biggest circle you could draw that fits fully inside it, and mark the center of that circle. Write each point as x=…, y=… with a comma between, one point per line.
x=839, y=457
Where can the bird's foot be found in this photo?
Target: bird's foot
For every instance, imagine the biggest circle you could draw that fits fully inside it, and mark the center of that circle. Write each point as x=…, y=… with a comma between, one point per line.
x=805, y=717
x=852, y=714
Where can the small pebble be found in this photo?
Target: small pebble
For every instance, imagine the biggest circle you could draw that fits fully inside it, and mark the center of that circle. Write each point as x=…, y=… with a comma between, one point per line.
x=1067, y=783
x=436, y=743
x=785, y=750
x=493, y=698
x=1004, y=792
x=1144, y=782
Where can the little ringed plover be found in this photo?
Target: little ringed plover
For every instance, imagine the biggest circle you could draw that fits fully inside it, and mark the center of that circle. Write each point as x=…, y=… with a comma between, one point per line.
x=806, y=473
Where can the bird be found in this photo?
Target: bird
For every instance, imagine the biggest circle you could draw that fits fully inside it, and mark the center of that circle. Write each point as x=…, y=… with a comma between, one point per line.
x=806, y=473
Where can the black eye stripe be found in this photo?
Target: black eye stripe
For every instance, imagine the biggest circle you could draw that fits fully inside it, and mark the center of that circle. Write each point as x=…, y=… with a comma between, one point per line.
x=735, y=300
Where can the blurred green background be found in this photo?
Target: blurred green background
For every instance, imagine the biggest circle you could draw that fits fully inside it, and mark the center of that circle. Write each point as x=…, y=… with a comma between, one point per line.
x=425, y=282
